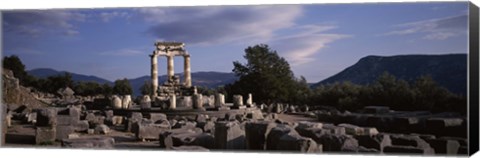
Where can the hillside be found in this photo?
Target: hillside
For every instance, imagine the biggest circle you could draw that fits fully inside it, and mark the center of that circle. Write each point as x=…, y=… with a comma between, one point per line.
x=449, y=71
x=45, y=72
x=201, y=79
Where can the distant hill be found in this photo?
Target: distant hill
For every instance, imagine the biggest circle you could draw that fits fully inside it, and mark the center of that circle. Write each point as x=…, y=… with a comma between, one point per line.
x=46, y=72
x=449, y=71
x=204, y=79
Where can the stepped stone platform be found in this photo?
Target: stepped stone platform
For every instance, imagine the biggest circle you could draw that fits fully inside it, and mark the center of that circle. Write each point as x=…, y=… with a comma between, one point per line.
x=171, y=113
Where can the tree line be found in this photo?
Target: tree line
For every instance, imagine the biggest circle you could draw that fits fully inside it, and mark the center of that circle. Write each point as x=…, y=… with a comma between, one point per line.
x=52, y=83
x=269, y=78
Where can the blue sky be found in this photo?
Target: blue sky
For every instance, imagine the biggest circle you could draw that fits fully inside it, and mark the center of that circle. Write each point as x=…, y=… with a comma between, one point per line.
x=318, y=40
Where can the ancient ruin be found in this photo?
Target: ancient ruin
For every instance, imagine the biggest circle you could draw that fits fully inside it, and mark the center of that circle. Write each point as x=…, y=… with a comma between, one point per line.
x=176, y=117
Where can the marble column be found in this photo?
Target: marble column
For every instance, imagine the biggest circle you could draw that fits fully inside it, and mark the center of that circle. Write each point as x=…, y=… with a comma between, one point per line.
x=154, y=75
x=187, y=75
x=173, y=101
x=170, y=70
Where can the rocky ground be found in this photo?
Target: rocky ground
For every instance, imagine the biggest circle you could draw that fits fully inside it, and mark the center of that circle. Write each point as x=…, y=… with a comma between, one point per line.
x=260, y=128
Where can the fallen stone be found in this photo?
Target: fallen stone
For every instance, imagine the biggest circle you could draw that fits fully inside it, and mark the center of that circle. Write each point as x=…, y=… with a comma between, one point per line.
x=444, y=146
x=405, y=150
x=45, y=135
x=377, y=142
x=134, y=118
x=117, y=120
x=165, y=133
x=275, y=133
x=81, y=126
x=334, y=142
x=46, y=117
x=197, y=139
x=148, y=130
x=352, y=129
x=295, y=142
x=89, y=142
x=413, y=141
x=63, y=131
x=157, y=116
x=189, y=148
x=256, y=134
x=102, y=129
x=228, y=135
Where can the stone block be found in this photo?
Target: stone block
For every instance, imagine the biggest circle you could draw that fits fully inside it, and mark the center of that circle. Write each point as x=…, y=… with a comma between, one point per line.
x=145, y=103
x=306, y=124
x=444, y=146
x=46, y=117
x=229, y=135
x=413, y=141
x=157, y=116
x=295, y=142
x=117, y=120
x=148, y=130
x=406, y=150
x=189, y=148
x=352, y=129
x=275, y=133
x=63, y=131
x=165, y=133
x=196, y=139
x=256, y=134
x=45, y=135
x=335, y=142
x=81, y=126
x=89, y=142
x=377, y=142
x=102, y=129
x=134, y=118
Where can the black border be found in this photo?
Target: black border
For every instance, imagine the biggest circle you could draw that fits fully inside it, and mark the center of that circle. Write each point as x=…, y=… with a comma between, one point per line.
x=473, y=79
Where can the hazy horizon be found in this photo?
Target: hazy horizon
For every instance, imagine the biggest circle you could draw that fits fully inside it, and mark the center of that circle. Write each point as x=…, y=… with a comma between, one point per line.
x=318, y=40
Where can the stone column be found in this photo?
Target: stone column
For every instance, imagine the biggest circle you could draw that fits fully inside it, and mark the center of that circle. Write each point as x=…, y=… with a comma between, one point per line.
x=237, y=100
x=197, y=101
x=187, y=75
x=173, y=101
x=249, y=100
x=154, y=75
x=170, y=70
x=219, y=100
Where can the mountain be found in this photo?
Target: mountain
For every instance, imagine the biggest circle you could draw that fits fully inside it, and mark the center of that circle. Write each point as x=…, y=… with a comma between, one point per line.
x=200, y=79
x=449, y=71
x=46, y=72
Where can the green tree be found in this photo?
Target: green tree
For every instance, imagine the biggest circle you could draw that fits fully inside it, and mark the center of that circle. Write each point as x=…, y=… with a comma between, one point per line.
x=107, y=90
x=122, y=87
x=14, y=64
x=266, y=75
x=146, y=88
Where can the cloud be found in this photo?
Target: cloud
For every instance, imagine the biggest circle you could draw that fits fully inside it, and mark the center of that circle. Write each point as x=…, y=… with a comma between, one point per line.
x=124, y=52
x=435, y=29
x=107, y=16
x=35, y=23
x=219, y=24
x=307, y=40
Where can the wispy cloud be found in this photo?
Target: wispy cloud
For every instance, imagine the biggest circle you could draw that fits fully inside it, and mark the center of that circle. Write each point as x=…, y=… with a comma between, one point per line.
x=124, y=52
x=107, y=16
x=307, y=41
x=214, y=25
x=35, y=23
x=434, y=29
